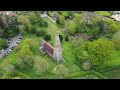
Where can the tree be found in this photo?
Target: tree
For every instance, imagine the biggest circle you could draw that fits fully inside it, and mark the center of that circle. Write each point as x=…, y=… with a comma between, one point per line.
x=33, y=30
x=47, y=37
x=66, y=38
x=3, y=44
x=1, y=32
x=78, y=19
x=81, y=53
x=100, y=51
x=44, y=24
x=30, y=42
x=22, y=63
x=116, y=39
x=86, y=65
x=61, y=20
x=9, y=70
x=70, y=29
x=32, y=17
x=60, y=71
x=25, y=51
x=77, y=42
x=2, y=23
x=61, y=38
x=22, y=29
x=25, y=21
x=113, y=28
x=42, y=32
x=40, y=66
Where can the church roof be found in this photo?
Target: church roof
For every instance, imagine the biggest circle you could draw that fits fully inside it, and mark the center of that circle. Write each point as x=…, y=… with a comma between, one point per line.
x=46, y=47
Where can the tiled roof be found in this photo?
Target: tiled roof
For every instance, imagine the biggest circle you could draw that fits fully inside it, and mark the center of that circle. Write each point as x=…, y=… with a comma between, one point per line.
x=46, y=47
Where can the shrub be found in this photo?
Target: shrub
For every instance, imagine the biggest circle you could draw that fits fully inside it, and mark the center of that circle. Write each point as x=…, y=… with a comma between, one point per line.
x=44, y=24
x=86, y=65
x=3, y=44
x=42, y=33
x=61, y=38
x=17, y=48
x=60, y=71
x=41, y=66
x=47, y=37
x=37, y=33
x=66, y=38
x=116, y=39
x=33, y=30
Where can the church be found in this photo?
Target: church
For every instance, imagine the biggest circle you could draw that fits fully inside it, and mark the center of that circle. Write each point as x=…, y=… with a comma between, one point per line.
x=54, y=52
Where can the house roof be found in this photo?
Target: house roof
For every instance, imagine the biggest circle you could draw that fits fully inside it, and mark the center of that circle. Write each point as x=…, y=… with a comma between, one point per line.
x=46, y=47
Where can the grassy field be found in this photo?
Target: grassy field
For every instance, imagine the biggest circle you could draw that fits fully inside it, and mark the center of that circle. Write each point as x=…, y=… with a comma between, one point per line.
x=103, y=13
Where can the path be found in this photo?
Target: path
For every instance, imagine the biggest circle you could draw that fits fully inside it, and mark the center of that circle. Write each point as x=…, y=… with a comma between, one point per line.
x=46, y=16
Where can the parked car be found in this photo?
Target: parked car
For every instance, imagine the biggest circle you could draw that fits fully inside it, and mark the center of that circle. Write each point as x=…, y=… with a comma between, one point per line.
x=10, y=50
x=4, y=56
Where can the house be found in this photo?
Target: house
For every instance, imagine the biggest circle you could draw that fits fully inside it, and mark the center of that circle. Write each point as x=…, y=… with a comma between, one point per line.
x=116, y=15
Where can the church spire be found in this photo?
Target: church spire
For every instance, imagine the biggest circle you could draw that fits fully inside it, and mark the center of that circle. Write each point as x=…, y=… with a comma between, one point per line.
x=57, y=48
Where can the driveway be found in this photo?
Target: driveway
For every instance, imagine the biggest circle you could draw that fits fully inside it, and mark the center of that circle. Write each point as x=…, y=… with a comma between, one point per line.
x=13, y=42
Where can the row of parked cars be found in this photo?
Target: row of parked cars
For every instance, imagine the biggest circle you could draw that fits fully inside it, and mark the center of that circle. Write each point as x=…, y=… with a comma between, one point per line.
x=9, y=51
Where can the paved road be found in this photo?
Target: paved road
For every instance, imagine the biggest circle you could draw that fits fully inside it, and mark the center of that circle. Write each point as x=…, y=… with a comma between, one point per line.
x=13, y=42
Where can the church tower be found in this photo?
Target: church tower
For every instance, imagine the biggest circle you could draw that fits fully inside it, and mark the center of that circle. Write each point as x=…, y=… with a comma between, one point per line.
x=57, y=49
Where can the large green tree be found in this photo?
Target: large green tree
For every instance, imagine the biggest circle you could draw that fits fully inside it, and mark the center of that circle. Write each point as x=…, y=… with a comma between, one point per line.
x=60, y=71
x=3, y=44
x=23, y=19
x=40, y=66
x=70, y=28
x=78, y=18
x=61, y=20
x=101, y=51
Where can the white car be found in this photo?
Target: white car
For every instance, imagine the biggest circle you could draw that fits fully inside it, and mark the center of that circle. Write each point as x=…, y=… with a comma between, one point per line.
x=10, y=50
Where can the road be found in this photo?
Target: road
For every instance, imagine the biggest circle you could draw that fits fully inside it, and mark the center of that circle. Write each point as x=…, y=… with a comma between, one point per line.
x=13, y=42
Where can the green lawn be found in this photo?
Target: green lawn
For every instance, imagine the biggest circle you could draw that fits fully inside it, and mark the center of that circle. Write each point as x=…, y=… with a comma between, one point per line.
x=102, y=13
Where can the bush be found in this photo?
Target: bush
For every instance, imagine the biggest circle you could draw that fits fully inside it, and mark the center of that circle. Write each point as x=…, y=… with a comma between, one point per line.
x=60, y=71
x=3, y=44
x=17, y=48
x=116, y=39
x=47, y=37
x=66, y=38
x=42, y=33
x=61, y=38
x=44, y=24
x=33, y=30
x=37, y=33
x=86, y=65
x=31, y=44
x=41, y=66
